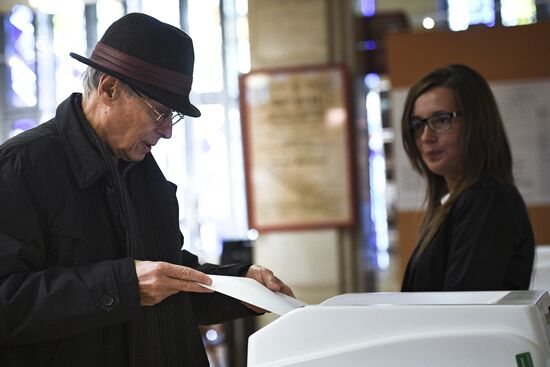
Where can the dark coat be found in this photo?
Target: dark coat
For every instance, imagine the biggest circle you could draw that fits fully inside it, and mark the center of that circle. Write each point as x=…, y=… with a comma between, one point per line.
x=485, y=243
x=68, y=289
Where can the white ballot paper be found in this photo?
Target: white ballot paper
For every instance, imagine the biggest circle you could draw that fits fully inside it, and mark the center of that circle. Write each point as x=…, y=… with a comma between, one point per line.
x=253, y=292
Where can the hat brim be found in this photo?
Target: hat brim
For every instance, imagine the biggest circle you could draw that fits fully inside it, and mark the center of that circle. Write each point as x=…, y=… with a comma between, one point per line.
x=175, y=101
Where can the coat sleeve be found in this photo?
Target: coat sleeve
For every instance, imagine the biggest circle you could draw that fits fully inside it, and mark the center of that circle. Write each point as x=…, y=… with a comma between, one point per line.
x=212, y=308
x=483, y=235
x=40, y=301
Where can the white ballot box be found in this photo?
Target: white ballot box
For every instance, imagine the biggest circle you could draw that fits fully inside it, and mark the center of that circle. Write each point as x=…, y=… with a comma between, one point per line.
x=439, y=329
x=541, y=268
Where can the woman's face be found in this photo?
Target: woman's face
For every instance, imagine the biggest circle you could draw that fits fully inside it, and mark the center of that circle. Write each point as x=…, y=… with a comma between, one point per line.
x=441, y=151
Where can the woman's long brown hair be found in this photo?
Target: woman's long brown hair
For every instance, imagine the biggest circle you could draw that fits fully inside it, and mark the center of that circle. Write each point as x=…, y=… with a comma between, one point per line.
x=484, y=142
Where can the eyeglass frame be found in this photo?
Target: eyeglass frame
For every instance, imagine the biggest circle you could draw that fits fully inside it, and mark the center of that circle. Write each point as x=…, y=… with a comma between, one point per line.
x=428, y=121
x=161, y=116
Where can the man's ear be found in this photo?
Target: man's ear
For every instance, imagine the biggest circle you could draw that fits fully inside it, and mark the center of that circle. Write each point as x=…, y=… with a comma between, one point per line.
x=109, y=89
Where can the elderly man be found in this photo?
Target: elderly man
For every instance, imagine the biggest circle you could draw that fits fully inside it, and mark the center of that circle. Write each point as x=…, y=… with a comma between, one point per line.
x=91, y=267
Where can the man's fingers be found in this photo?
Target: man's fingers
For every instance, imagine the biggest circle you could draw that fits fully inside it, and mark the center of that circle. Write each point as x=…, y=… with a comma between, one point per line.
x=285, y=289
x=186, y=274
x=186, y=286
x=270, y=280
x=267, y=278
x=158, y=280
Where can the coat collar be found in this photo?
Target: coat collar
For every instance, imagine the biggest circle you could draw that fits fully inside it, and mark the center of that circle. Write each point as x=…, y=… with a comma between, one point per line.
x=86, y=153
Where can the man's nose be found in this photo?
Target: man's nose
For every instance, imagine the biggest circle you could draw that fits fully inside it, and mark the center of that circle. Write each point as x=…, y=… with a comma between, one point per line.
x=165, y=130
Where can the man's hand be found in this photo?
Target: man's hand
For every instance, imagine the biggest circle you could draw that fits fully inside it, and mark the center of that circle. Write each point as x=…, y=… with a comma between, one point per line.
x=267, y=278
x=158, y=280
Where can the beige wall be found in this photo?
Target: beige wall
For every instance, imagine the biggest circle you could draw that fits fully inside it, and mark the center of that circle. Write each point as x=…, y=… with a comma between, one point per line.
x=6, y=5
x=416, y=10
x=416, y=7
x=287, y=32
x=317, y=264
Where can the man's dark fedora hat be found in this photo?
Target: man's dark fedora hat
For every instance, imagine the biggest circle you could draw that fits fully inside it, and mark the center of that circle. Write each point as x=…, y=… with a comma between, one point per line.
x=153, y=57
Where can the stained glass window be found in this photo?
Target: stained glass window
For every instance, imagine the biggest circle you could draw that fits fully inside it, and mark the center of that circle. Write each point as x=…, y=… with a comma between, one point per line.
x=69, y=35
x=517, y=12
x=462, y=13
x=107, y=12
x=21, y=125
x=21, y=58
x=206, y=30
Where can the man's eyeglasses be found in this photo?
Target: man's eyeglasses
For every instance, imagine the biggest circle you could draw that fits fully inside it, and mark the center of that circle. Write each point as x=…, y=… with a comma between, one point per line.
x=439, y=123
x=171, y=117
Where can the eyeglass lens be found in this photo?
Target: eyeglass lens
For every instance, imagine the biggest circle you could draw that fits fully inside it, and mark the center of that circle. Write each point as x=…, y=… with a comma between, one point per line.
x=166, y=117
x=162, y=118
x=438, y=123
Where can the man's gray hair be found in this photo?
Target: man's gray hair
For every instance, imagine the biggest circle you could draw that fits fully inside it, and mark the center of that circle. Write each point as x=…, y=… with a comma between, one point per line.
x=90, y=82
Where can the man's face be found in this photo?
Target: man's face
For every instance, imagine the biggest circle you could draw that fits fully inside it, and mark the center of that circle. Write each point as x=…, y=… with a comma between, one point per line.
x=133, y=128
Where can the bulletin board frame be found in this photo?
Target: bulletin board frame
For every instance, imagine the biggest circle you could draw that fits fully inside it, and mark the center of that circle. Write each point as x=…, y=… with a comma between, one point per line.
x=296, y=145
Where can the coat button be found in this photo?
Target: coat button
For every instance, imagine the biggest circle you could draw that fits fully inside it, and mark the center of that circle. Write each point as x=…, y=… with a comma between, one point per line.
x=107, y=300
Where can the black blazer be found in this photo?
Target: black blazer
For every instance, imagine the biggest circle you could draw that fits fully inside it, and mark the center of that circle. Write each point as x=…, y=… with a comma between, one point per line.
x=485, y=243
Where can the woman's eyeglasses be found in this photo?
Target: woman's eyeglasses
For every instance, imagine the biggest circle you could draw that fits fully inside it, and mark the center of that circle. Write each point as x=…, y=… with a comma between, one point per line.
x=439, y=123
x=171, y=117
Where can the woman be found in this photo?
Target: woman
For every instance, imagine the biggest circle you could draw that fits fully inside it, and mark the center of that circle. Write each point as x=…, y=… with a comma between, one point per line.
x=476, y=233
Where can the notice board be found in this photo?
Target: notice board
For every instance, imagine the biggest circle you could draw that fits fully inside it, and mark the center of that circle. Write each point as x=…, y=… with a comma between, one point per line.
x=516, y=63
x=295, y=124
